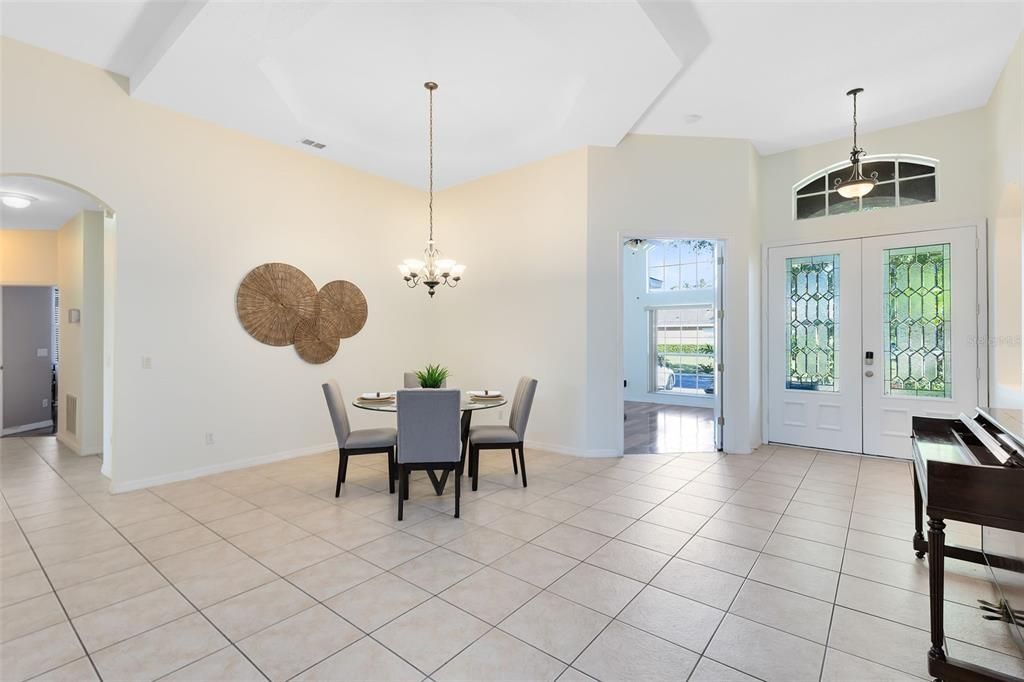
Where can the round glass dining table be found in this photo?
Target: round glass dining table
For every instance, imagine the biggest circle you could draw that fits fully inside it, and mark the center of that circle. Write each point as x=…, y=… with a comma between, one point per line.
x=468, y=406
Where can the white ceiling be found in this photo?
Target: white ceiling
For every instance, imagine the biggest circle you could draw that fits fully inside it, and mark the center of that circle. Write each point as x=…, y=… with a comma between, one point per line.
x=55, y=203
x=524, y=80
x=776, y=73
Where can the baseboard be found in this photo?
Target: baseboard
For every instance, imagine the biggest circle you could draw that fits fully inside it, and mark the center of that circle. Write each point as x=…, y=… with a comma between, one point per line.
x=137, y=484
x=575, y=452
x=10, y=431
x=63, y=439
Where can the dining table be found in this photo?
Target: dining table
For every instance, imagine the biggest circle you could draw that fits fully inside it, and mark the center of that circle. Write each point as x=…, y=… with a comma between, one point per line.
x=468, y=404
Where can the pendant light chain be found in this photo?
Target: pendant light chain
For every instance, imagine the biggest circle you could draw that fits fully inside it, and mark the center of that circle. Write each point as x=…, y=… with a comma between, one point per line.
x=430, y=174
x=855, y=147
x=857, y=185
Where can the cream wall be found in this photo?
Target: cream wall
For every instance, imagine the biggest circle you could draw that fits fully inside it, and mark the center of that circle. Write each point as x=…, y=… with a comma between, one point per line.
x=522, y=309
x=958, y=141
x=669, y=187
x=197, y=207
x=79, y=372
x=1005, y=112
x=28, y=257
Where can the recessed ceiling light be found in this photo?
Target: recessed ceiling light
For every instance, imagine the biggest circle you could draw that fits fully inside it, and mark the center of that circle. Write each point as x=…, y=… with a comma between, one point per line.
x=16, y=200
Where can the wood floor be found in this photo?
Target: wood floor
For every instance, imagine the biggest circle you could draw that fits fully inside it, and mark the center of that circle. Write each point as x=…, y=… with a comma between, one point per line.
x=654, y=428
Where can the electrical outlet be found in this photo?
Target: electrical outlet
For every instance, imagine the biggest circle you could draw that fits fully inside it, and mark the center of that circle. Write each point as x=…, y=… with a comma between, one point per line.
x=209, y=438
x=46, y=402
x=147, y=362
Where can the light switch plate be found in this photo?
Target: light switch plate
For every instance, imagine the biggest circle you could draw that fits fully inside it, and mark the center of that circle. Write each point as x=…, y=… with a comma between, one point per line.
x=42, y=352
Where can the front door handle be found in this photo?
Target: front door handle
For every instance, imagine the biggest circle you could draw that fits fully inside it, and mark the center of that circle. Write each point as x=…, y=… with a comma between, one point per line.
x=869, y=373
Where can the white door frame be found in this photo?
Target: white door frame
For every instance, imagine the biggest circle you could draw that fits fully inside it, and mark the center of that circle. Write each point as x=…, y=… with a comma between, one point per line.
x=620, y=393
x=981, y=225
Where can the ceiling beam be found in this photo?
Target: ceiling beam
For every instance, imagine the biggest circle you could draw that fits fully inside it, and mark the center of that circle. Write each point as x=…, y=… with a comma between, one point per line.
x=683, y=30
x=188, y=11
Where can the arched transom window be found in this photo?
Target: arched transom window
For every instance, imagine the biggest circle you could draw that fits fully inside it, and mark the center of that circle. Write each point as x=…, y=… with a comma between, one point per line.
x=903, y=180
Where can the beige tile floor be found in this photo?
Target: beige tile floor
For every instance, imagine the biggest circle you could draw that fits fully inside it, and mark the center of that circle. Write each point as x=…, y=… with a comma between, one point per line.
x=781, y=565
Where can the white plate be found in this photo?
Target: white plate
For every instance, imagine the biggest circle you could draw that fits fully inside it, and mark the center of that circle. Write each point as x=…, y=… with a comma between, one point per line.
x=376, y=396
x=492, y=395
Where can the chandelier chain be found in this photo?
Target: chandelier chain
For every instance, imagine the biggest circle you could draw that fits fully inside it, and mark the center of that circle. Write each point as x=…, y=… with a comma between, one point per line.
x=430, y=173
x=855, y=121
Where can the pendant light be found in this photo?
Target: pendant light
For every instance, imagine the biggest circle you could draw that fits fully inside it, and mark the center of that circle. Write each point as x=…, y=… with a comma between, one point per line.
x=433, y=270
x=857, y=185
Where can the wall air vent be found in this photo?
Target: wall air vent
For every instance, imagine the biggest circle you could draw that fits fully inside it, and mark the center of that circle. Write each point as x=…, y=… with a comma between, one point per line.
x=313, y=143
x=71, y=413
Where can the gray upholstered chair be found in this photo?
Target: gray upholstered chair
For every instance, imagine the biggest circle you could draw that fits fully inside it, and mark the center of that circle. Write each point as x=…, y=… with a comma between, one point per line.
x=509, y=437
x=359, y=442
x=410, y=380
x=429, y=438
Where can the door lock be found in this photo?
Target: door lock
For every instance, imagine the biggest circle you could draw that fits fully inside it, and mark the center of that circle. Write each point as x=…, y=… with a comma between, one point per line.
x=869, y=358
x=869, y=373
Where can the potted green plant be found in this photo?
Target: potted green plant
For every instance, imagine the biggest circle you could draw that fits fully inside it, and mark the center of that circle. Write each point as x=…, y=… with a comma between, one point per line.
x=432, y=376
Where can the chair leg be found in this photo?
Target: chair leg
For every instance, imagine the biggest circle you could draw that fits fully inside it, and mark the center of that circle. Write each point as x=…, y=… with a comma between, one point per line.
x=475, y=465
x=341, y=473
x=458, y=494
x=515, y=467
x=391, y=470
x=403, y=481
x=522, y=463
x=344, y=467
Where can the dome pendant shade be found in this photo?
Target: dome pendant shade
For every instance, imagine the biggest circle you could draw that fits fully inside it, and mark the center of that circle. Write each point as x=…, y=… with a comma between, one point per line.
x=856, y=186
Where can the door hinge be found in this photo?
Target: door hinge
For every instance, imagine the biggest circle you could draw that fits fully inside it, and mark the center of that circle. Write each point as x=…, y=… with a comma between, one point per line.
x=721, y=313
x=721, y=367
x=721, y=421
x=721, y=260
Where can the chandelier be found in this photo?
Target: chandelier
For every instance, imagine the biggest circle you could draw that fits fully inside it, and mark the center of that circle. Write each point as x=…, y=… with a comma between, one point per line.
x=857, y=185
x=433, y=270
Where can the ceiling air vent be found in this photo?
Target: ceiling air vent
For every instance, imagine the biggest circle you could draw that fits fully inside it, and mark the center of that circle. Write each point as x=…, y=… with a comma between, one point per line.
x=313, y=143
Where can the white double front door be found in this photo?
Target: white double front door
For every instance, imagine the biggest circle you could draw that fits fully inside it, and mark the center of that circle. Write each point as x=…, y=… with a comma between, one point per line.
x=864, y=334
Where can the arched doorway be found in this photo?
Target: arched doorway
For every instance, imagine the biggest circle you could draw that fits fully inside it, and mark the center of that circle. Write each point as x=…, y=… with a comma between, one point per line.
x=59, y=239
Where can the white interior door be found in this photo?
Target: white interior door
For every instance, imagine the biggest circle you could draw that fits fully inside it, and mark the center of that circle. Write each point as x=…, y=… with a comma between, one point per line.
x=921, y=326
x=814, y=337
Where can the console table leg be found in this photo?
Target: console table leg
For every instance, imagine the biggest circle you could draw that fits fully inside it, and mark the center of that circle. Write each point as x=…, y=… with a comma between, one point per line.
x=919, y=544
x=936, y=573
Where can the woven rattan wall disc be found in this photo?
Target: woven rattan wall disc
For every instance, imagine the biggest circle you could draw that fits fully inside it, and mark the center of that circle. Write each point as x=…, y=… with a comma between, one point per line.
x=272, y=299
x=343, y=306
x=316, y=341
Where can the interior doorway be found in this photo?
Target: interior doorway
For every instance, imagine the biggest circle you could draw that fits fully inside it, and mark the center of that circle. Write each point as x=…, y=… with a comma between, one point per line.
x=57, y=243
x=672, y=345
x=865, y=334
x=28, y=360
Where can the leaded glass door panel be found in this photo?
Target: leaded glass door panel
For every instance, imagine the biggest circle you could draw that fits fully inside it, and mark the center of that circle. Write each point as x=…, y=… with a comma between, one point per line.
x=814, y=345
x=921, y=327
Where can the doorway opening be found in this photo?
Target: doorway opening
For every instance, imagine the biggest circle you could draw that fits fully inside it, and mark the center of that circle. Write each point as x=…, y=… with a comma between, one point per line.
x=56, y=324
x=671, y=345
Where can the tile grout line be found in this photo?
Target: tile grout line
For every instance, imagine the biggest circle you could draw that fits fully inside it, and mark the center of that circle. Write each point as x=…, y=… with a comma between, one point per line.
x=513, y=509
x=53, y=591
x=171, y=584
